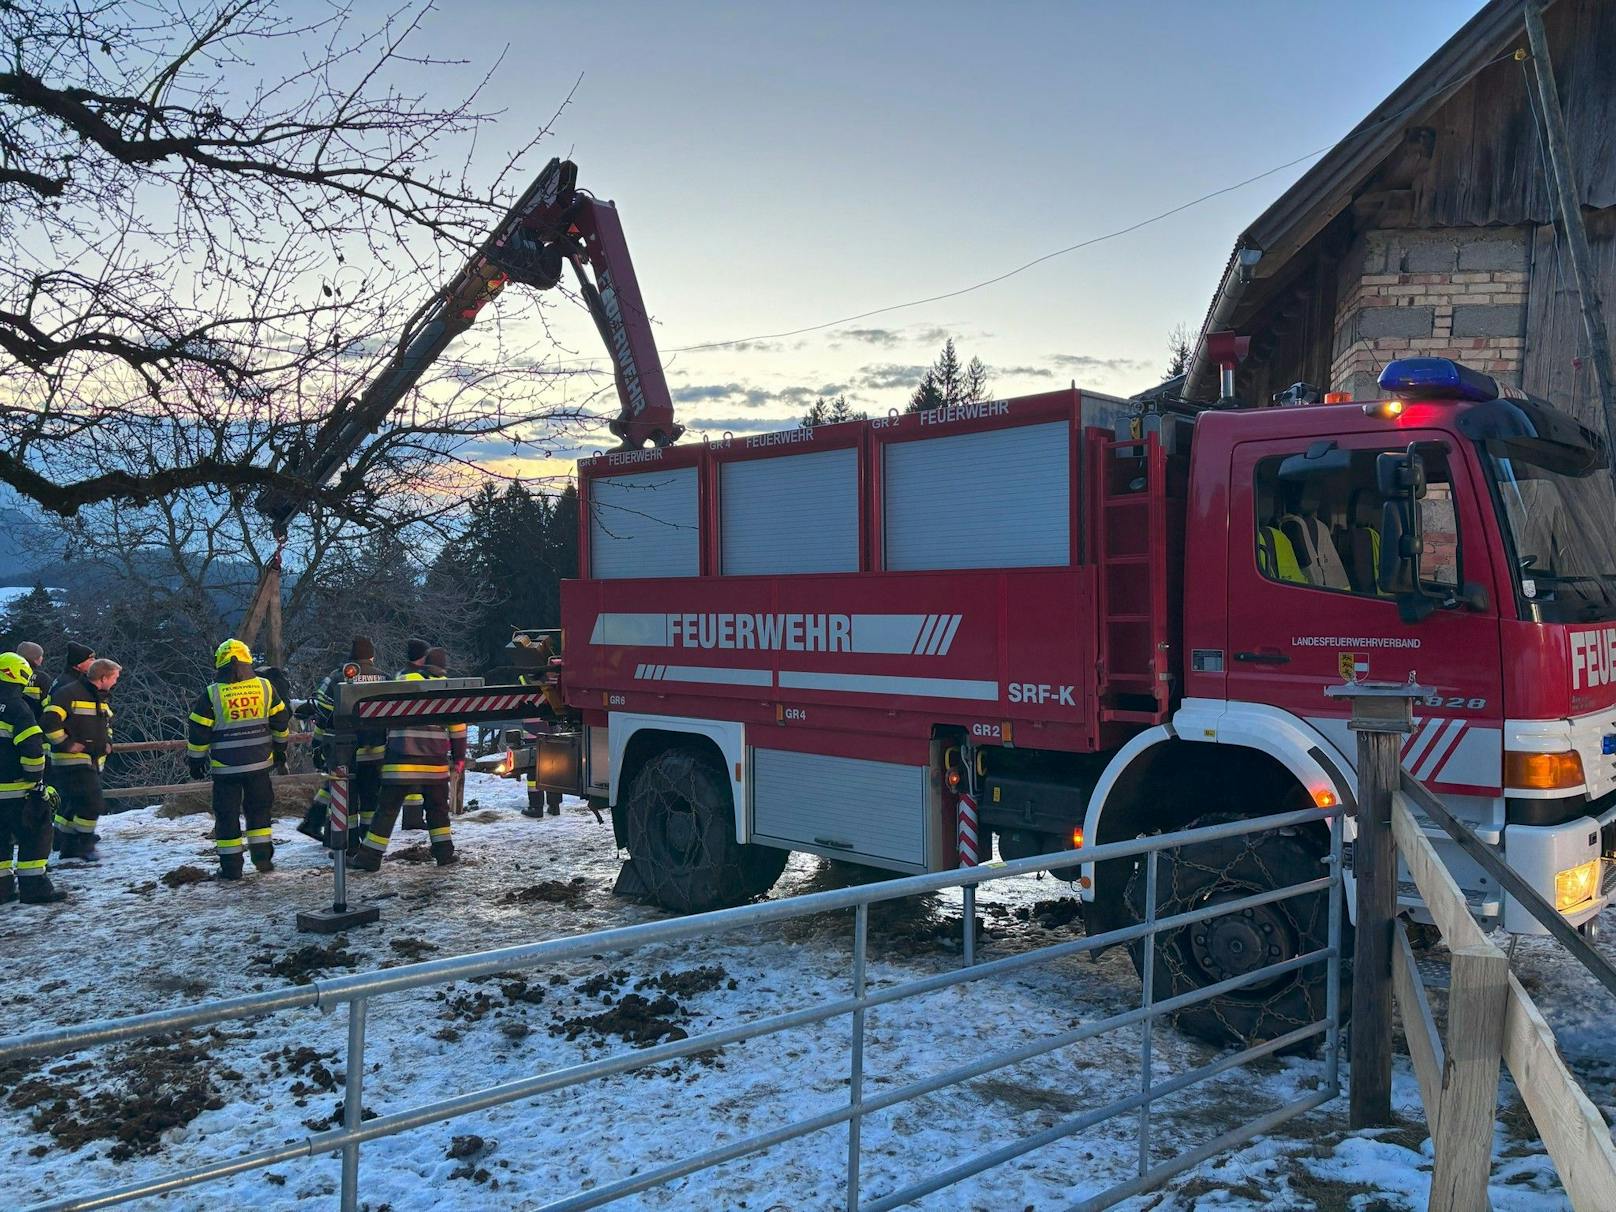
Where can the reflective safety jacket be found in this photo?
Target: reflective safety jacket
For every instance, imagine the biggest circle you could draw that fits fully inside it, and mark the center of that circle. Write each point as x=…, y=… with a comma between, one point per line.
x=76, y=711
x=22, y=746
x=35, y=692
x=421, y=753
x=371, y=746
x=239, y=726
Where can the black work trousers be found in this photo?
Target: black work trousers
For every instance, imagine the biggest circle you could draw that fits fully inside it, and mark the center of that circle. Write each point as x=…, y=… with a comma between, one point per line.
x=233, y=795
x=436, y=798
x=80, y=789
x=25, y=831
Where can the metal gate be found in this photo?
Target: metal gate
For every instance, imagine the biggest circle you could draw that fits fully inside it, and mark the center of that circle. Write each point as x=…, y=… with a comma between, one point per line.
x=356, y=991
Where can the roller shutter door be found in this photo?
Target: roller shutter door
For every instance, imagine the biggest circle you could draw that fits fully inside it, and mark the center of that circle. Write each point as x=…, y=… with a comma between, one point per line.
x=871, y=812
x=794, y=513
x=995, y=499
x=644, y=525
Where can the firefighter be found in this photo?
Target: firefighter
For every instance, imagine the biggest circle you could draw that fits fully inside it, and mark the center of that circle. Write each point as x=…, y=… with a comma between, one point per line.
x=238, y=732
x=415, y=652
x=79, y=657
x=39, y=685
x=418, y=759
x=78, y=725
x=25, y=815
x=365, y=778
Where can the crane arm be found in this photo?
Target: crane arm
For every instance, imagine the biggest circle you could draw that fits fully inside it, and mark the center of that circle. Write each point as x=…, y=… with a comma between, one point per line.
x=551, y=225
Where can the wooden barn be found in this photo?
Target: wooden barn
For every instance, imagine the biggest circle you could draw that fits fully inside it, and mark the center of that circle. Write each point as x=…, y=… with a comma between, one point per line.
x=1430, y=229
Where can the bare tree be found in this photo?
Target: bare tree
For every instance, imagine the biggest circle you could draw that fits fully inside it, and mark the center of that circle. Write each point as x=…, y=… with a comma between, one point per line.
x=162, y=584
x=204, y=263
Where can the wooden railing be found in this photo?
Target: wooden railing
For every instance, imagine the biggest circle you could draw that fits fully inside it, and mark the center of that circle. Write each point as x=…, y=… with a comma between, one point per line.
x=162, y=790
x=1490, y=1018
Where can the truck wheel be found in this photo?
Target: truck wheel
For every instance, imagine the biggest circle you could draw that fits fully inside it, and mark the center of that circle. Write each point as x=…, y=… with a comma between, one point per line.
x=1193, y=957
x=679, y=822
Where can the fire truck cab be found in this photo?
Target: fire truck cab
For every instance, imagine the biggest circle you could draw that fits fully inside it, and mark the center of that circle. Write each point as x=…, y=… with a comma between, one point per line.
x=1102, y=620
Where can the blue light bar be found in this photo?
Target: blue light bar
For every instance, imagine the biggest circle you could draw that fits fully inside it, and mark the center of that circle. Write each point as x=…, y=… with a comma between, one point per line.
x=1437, y=377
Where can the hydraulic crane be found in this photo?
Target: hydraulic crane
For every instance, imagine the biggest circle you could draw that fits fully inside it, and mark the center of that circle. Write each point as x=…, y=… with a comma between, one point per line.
x=552, y=225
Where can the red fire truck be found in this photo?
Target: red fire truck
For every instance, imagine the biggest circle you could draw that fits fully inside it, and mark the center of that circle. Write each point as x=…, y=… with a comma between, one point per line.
x=1095, y=619
x=1103, y=620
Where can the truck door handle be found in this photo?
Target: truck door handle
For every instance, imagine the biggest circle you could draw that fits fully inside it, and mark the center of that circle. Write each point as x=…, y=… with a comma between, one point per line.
x=1262, y=658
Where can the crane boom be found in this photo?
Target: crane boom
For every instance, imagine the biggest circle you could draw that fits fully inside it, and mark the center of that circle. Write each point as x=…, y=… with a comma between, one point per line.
x=552, y=224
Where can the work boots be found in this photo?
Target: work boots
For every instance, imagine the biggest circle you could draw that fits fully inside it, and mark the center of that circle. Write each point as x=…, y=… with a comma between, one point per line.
x=444, y=853
x=554, y=802
x=81, y=846
x=230, y=866
x=263, y=857
x=313, y=824
x=8, y=888
x=365, y=859
x=59, y=838
x=38, y=890
x=414, y=813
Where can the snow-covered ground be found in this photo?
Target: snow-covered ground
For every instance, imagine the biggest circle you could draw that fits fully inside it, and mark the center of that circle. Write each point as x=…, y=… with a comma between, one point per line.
x=132, y=941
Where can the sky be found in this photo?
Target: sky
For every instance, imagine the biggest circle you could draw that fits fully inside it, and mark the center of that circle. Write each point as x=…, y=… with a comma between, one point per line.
x=782, y=165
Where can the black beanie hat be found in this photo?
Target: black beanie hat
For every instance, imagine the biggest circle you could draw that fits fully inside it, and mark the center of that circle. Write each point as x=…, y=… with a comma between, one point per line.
x=415, y=650
x=361, y=649
x=438, y=658
x=78, y=653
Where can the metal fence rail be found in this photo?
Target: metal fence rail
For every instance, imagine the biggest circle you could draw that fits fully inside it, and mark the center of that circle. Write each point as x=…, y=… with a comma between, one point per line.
x=356, y=990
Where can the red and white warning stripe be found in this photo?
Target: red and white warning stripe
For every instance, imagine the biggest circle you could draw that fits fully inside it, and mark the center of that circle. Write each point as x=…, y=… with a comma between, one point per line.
x=337, y=808
x=1428, y=748
x=967, y=831
x=376, y=709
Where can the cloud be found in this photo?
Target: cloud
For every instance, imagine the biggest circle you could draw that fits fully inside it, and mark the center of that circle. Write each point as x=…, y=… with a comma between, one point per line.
x=731, y=393
x=886, y=338
x=874, y=336
x=880, y=376
x=1023, y=372
x=740, y=424
x=807, y=395
x=1089, y=362
x=750, y=347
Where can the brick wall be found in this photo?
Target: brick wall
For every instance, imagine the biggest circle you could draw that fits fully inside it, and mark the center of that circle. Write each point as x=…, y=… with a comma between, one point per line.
x=1448, y=293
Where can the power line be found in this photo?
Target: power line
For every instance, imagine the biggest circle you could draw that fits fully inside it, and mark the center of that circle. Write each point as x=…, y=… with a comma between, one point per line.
x=1366, y=129
x=993, y=281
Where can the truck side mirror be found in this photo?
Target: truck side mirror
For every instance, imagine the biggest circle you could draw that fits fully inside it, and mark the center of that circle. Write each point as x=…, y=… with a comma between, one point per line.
x=1400, y=548
x=1400, y=476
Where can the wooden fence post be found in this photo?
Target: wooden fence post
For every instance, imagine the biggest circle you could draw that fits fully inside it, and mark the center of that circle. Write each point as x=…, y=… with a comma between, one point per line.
x=1382, y=714
x=1463, y=1135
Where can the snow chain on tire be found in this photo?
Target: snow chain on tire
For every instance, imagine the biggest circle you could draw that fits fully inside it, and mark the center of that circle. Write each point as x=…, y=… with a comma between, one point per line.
x=680, y=827
x=1193, y=957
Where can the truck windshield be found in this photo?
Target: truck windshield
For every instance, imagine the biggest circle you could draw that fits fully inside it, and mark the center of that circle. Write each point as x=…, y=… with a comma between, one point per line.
x=1558, y=503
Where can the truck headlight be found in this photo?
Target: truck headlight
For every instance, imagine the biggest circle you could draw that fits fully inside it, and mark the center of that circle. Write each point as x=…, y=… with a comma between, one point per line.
x=1575, y=885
